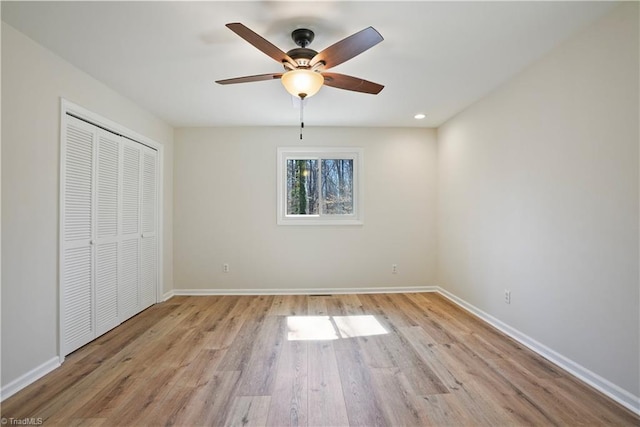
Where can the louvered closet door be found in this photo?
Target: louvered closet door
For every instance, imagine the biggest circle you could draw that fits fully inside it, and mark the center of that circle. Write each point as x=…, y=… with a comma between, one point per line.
x=149, y=242
x=76, y=267
x=109, y=241
x=107, y=231
x=131, y=232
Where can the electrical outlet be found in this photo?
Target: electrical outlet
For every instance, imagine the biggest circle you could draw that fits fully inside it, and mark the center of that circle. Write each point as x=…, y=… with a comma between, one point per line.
x=507, y=296
x=225, y=267
x=394, y=268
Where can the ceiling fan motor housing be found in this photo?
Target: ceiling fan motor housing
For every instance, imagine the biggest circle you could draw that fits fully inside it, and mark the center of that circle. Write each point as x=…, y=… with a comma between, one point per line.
x=302, y=55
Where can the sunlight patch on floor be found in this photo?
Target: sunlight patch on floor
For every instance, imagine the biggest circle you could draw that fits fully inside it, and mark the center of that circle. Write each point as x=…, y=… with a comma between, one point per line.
x=325, y=328
x=310, y=328
x=358, y=326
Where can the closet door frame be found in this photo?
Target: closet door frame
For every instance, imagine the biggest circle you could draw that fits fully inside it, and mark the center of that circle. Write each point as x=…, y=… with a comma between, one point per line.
x=68, y=109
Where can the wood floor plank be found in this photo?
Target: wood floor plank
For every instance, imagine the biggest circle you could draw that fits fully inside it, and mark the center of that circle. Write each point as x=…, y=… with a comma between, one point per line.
x=240, y=351
x=33, y=399
x=110, y=397
x=326, y=400
x=259, y=374
x=82, y=367
x=486, y=341
x=84, y=422
x=187, y=346
x=222, y=332
x=249, y=411
x=446, y=410
x=400, y=404
x=605, y=411
x=393, y=349
x=476, y=410
x=146, y=398
x=199, y=370
x=211, y=403
x=363, y=407
x=345, y=305
x=468, y=366
x=541, y=395
x=429, y=319
x=174, y=406
x=424, y=345
x=512, y=409
x=361, y=360
x=130, y=332
x=291, y=387
x=388, y=308
x=437, y=308
x=423, y=379
x=317, y=305
x=289, y=305
x=123, y=377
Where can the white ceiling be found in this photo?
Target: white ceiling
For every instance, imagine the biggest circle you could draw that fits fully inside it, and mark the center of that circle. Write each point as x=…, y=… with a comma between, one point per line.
x=437, y=57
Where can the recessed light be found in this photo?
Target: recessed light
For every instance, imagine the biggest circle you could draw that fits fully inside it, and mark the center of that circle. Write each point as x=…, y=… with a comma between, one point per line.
x=419, y=116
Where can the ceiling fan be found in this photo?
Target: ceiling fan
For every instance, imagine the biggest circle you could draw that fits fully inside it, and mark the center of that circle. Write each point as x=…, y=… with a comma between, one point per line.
x=305, y=69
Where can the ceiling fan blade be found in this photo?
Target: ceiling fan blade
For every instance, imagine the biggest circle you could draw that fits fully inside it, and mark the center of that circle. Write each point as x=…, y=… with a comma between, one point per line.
x=356, y=84
x=247, y=79
x=261, y=43
x=347, y=48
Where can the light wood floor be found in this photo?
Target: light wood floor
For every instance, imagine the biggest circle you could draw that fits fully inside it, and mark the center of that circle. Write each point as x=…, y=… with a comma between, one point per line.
x=395, y=359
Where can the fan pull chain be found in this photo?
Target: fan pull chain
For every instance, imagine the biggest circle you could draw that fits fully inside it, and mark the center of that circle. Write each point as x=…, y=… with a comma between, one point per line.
x=302, y=96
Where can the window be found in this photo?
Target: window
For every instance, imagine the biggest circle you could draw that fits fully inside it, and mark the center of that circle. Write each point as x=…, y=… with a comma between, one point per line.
x=319, y=186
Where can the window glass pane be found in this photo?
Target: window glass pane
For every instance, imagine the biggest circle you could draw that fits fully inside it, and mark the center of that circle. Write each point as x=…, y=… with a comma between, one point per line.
x=337, y=186
x=302, y=187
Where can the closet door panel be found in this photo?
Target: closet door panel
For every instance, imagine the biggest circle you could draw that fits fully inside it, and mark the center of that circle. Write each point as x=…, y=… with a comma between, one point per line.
x=108, y=175
x=129, y=298
x=76, y=267
x=106, y=243
x=106, y=285
x=131, y=191
x=78, y=204
x=131, y=233
x=149, y=191
x=149, y=271
x=79, y=326
x=149, y=246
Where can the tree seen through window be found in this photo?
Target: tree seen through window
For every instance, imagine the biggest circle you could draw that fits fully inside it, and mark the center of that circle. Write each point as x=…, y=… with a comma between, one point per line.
x=314, y=184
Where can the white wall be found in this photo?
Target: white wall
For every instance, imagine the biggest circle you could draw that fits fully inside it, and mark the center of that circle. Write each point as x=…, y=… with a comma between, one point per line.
x=33, y=80
x=225, y=212
x=538, y=193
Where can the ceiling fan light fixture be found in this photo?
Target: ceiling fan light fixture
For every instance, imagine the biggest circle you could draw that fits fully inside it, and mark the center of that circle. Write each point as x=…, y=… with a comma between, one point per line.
x=302, y=83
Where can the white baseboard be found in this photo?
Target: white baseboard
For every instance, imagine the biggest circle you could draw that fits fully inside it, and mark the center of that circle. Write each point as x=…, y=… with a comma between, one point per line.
x=167, y=295
x=319, y=291
x=606, y=387
x=30, y=377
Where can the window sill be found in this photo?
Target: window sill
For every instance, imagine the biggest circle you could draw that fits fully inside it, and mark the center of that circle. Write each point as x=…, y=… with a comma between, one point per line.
x=317, y=221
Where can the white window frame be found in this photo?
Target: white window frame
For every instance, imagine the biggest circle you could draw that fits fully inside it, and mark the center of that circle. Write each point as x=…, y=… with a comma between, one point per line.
x=354, y=153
